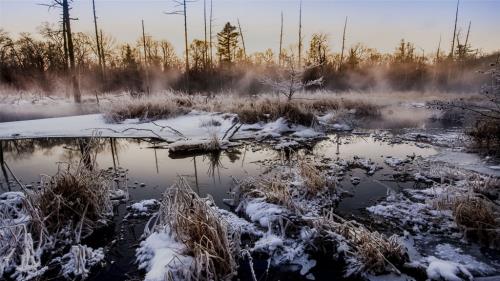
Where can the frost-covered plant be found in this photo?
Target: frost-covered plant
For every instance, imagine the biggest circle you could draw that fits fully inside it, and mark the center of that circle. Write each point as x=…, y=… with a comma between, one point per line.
x=291, y=80
x=75, y=200
x=314, y=179
x=371, y=251
x=79, y=260
x=36, y=225
x=20, y=252
x=204, y=244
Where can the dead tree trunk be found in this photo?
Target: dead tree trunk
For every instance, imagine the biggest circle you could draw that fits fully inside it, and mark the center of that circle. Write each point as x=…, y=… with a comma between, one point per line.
x=242, y=40
x=454, y=31
x=467, y=37
x=186, y=47
x=300, y=34
x=211, y=21
x=343, y=46
x=280, y=57
x=71, y=52
x=103, y=56
x=205, y=47
x=146, y=69
x=98, y=45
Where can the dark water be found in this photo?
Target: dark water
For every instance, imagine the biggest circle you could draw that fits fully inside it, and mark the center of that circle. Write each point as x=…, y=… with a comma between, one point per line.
x=151, y=170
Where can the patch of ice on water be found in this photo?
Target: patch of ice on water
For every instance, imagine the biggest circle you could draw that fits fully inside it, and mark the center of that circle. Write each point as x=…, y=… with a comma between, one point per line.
x=448, y=252
x=393, y=161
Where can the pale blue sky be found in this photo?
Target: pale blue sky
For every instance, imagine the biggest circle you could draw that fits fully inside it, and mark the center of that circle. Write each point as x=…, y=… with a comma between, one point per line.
x=375, y=23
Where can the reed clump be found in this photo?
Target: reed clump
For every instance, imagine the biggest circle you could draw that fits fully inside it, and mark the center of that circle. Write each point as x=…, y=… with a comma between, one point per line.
x=149, y=108
x=208, y=238
x=372, y=252
x=314, y=179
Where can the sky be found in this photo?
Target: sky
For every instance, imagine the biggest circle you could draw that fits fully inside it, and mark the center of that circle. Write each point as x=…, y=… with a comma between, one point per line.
x=374, y=23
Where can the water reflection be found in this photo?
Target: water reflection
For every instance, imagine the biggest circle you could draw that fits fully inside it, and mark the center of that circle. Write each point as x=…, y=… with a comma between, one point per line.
x=150, y=169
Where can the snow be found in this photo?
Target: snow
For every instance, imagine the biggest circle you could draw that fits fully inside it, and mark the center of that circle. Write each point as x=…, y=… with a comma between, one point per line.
x=95, y=124
x=445, y=270
x=79, y=260
x=307, y=133
x=143, y=208
x=448, y=252
x=393, y=161
x=268, y=243
x=262, y=212
x=160, y=254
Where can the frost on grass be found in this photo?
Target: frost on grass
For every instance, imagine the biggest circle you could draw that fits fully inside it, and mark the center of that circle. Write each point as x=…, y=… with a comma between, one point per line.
x=79, y=260
x=188, y=240
x=40, y=225
x=294, y=210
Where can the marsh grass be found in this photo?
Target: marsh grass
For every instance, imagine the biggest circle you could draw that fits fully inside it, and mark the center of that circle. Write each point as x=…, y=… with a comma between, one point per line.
x=148, y=108
x=314, y=180
x=474, y=215
x=302, y=110
x=373, y=252
x=208, y=238
x=67, y=208
x=274, y=189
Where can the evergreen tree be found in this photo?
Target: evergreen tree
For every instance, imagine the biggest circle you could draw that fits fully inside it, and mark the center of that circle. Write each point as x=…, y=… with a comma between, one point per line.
x=227, y=43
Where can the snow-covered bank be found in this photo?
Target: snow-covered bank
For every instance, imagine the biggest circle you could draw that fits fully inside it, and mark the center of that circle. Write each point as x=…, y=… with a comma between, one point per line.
x=192, y=131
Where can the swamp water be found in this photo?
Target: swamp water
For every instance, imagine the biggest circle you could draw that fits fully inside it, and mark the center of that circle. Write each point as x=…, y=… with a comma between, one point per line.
x=150, y=170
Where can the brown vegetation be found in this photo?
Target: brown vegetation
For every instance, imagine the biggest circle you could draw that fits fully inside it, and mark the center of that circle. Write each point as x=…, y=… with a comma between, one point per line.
x=208, y=238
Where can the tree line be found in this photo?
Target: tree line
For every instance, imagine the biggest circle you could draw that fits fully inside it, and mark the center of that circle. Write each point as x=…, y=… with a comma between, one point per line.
x=97, y=62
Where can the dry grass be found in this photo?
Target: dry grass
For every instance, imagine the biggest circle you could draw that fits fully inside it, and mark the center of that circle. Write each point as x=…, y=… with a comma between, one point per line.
x=375, y=252
x=152, y=108
x=301, y=110
x=208, y=238
x=78, y=198
x=274, y=189
x=68, y=207
x=486, y=135
x=314, y=179
x=474, y=215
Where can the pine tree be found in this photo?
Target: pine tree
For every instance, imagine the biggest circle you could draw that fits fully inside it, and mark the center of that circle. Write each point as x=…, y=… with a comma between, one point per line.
x=227, y=43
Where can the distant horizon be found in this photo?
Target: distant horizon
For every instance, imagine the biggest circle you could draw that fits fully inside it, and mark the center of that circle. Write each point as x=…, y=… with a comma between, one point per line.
x=375, y=24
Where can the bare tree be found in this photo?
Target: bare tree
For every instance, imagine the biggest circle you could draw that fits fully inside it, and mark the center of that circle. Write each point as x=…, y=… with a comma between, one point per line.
x=290, y=81
x=183, y=12
x=68, y=37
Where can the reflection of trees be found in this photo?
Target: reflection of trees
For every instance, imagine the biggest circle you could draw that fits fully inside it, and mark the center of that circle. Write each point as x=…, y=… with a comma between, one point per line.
x=233, y=154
